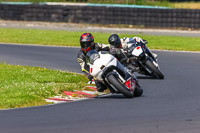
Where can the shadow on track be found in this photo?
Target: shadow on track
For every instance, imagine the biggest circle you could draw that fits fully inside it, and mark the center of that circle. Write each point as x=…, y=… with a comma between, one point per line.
x=147, y=77
x=114, y=96
x=144, y=77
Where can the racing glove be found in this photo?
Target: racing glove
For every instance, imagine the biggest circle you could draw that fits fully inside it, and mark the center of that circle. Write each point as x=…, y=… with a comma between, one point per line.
x=89, y=76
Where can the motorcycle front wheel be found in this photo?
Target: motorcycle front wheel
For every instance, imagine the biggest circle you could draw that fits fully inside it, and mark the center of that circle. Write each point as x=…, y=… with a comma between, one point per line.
x=155, y=71
x=120, y=87
x=138, y=91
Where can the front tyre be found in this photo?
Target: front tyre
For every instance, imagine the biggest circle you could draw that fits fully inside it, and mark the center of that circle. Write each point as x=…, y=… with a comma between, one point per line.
x=120, y=87
x=138, y=91
x=155, y=71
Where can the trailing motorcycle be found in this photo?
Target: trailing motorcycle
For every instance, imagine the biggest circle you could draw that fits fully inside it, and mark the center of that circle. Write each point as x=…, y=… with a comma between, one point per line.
x=142, y=60
x=107, y=69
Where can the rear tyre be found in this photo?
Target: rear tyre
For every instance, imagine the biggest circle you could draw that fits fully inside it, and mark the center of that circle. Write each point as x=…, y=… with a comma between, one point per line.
x=156, y=72
x=120, y=87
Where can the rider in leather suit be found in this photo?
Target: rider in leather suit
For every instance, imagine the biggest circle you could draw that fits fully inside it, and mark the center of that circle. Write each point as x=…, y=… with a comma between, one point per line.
x=87, y=44
x=117, y=44
x=116, y=48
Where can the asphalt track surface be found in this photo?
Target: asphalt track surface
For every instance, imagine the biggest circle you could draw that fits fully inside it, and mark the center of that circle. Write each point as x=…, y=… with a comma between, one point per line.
x=171, y=105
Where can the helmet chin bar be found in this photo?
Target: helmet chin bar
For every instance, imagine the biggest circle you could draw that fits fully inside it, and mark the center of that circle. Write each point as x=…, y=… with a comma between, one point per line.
x=83, y=49
x=86, y=49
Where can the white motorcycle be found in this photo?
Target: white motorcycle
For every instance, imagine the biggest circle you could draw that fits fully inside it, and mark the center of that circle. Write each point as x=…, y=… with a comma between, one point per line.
x=141, y=57
x=107, y=69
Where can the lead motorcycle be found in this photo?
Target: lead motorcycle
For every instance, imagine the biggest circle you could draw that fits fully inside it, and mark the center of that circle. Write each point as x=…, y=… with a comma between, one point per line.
x=107, y=69
x=142, y=58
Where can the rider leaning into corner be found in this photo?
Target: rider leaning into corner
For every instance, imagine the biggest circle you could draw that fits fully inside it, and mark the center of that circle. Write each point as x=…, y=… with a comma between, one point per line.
x=119, y=45
x=116, y=49
x=87, y=44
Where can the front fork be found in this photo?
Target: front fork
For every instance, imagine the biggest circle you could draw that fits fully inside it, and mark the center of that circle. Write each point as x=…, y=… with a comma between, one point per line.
x=130, y=81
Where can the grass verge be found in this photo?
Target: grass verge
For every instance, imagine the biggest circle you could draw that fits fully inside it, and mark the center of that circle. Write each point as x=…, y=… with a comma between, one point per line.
x=130, y=2
x=22, y=86
x=70, y=38
x=165, y=3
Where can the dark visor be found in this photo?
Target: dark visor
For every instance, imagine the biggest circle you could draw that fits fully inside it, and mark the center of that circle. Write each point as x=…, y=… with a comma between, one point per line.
x=85, y=44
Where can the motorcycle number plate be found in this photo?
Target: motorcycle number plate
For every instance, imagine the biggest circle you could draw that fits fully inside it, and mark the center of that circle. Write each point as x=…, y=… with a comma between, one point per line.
x=137, y=51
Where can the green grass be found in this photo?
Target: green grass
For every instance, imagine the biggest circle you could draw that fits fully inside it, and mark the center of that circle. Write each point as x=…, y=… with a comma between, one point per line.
x=133, y=2
x=22, y=86
x=69, y=38
x=130, y=2
x=165, y=3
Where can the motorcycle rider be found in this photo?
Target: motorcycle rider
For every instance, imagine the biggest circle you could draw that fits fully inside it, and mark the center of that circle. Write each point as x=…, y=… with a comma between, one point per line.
x=126, y=40
x=116, y=48
x=118, y=44
x=87, y=44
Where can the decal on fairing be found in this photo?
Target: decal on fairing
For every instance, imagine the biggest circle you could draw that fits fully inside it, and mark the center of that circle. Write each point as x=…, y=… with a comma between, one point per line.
x=137, y=51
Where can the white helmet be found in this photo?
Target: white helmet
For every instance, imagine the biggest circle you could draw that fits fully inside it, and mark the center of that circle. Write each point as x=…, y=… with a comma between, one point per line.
x=138, y=39
x=124, y=41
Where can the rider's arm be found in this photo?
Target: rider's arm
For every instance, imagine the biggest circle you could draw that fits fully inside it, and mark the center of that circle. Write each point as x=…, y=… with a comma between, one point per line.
x=84, y=67
x=102, y=47
x=119, y=54
x=81, y=60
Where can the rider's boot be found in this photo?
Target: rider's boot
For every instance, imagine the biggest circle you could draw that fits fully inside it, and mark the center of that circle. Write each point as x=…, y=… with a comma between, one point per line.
x=133, y=68
x=100, y=86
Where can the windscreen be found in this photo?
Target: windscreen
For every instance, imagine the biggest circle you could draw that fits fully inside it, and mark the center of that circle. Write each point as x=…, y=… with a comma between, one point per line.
x=91, y=56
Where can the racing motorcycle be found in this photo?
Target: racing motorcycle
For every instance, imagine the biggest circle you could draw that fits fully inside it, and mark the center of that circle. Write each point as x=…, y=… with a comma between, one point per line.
x=142, y=58
x=107, y=69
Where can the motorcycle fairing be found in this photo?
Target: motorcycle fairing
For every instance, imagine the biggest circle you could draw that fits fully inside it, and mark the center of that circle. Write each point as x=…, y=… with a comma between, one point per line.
x=137, y=51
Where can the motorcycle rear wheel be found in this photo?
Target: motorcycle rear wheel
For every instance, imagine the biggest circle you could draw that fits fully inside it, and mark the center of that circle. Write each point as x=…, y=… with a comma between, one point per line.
x=120, y=87
x=156, y=72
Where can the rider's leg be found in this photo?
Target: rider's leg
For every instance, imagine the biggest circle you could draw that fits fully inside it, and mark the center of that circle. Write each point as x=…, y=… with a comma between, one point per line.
x=100, y=86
